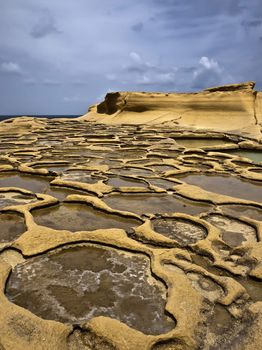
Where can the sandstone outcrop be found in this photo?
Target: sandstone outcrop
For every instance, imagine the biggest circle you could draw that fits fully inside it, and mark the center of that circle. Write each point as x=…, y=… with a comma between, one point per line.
x=233, y=108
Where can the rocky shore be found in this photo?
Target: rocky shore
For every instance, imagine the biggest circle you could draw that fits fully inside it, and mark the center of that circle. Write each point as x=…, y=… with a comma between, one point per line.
x=137, y=226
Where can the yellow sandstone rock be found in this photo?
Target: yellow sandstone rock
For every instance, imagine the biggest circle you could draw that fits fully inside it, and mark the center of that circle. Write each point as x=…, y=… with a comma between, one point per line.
x=228, y=108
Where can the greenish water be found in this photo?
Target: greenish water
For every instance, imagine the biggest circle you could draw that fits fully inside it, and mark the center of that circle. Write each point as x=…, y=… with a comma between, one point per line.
x=255, y=156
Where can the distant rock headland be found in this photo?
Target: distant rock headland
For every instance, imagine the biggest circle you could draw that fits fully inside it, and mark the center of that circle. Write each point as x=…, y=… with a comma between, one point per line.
x=236, y=108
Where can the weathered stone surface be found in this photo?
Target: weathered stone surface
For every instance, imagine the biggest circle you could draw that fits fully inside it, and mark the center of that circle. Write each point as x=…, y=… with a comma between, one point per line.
x=230, y=108
x=123, y=237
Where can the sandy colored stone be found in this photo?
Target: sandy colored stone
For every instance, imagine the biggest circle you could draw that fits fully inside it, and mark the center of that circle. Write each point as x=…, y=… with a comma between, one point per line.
x=229, y=108
x=211, y=290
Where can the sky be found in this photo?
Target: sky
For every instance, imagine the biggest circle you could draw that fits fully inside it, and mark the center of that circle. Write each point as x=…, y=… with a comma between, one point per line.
x=61, y=56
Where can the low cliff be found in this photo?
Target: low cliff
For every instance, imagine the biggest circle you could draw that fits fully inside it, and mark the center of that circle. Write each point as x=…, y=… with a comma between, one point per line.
x=225, y=108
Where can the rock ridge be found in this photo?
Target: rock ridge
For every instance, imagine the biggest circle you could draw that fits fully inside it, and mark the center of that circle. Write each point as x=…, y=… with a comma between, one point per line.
x=236, y=108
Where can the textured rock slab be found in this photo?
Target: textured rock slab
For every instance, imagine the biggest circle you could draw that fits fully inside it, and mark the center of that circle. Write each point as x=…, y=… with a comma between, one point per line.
x=76, y=284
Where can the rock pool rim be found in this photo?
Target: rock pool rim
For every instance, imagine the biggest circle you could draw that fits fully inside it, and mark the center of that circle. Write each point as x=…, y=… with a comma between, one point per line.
x=97, y=245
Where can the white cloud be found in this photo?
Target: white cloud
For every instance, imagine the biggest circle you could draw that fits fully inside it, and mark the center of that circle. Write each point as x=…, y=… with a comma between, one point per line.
x=157, y=78
x=135, y=57
x=144, y=73
x=209, y=63
x=138, y=62
x=11, y=68
x=210, y=73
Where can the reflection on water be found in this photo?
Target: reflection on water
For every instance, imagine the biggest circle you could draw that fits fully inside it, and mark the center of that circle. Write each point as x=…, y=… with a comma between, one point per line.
x=34, y=183
x=80, y=217
x=154, y=203
x=12, y=226
x=227, y=185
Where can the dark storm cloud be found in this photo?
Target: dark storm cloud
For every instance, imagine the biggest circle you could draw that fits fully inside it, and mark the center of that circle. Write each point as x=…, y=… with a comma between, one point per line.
x=200, y=8
x=45, y=25
x=138, y=27
x=144, y=73
x=60, y=56
x=252, y=23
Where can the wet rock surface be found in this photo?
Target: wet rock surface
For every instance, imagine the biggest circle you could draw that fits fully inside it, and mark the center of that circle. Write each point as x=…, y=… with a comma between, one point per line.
x=234, y=232
x=10, y=198
x=129, y=237
x=76, y=284
x=12, y=226
x=183, y=231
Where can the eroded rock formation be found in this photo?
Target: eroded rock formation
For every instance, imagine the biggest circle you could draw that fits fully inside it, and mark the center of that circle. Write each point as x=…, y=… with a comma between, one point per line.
x=134, y=237
x=232, y=108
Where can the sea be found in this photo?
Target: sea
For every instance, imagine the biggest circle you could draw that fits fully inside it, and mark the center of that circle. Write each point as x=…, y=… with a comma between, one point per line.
x=4, y=117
